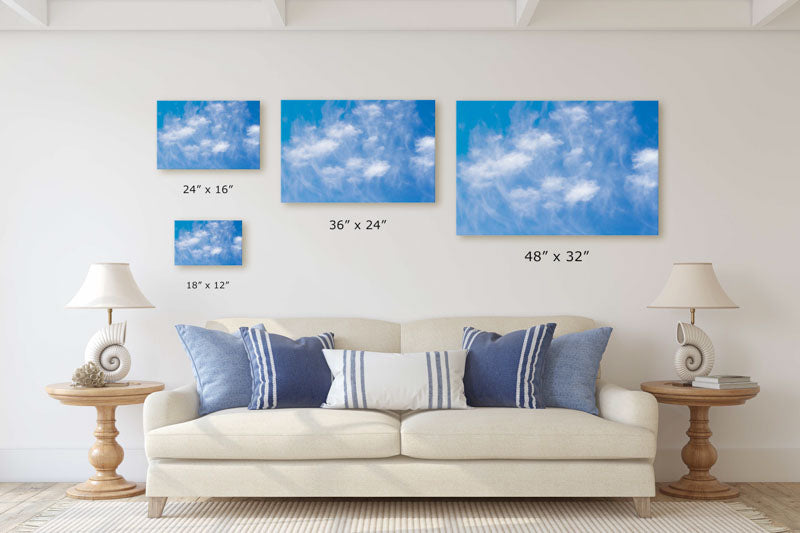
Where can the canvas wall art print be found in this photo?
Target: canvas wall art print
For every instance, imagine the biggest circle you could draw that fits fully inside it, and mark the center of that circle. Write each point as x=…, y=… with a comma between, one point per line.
x=358, y=151
x=224, y=134
x=557, y=168
x=208, y=242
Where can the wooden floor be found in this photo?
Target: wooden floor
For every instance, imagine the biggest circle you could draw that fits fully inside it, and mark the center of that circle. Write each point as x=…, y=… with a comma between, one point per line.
x=21, y=501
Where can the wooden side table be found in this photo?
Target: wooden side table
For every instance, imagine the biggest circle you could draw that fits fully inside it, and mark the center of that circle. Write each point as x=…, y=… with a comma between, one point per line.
x=698, y=454
x=106, y=454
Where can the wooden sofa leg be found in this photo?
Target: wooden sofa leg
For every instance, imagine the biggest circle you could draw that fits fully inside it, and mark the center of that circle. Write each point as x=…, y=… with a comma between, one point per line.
x=155, y=506
x=642, y=506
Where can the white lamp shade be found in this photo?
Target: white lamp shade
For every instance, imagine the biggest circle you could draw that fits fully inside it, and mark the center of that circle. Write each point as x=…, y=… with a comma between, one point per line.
x=693, y=285
x=109, y=286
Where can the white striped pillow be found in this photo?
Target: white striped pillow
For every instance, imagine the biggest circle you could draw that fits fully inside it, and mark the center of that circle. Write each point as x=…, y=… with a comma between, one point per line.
x=400, y=382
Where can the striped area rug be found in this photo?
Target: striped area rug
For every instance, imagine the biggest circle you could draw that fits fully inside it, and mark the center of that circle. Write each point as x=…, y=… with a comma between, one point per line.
x=309, y=515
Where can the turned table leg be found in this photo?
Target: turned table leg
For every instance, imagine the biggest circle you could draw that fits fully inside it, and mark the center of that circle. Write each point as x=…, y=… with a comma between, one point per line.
x=105, y=455
x=699, y=455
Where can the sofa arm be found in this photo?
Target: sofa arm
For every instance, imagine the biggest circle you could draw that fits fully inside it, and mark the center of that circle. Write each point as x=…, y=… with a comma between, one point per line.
x=635, y=408
x=171, y=407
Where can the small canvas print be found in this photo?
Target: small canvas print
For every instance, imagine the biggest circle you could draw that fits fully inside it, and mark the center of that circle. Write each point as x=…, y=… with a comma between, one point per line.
x=200, y=134
x=358, y=151
x=208, y=242
x=557, y=168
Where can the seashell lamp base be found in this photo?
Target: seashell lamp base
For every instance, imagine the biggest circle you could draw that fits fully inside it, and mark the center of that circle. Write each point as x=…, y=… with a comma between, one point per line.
x=695, y=355
x=106, y=349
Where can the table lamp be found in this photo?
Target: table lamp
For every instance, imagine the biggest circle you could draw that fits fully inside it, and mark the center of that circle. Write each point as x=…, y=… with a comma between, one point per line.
x=109, y=286
x=693, y=286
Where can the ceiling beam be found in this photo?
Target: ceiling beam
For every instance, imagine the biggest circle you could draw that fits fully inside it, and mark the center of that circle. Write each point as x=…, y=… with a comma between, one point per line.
x=525, y=10
x=765, y=11
x=418, y=15
x=34, y=11
x=278, y=10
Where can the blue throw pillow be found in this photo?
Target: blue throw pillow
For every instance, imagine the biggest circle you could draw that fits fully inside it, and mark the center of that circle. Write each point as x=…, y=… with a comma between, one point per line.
x=506, y=371
x=220, y=365
x=570, y=370
x=286, y=372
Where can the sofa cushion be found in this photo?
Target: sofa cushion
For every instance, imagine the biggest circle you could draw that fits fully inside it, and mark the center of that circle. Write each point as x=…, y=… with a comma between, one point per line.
x=220, y=366
x=286, y=372
x=280, y=434
x=506, y=370
x=510, y=433
x=397, y=381
x=571, y=368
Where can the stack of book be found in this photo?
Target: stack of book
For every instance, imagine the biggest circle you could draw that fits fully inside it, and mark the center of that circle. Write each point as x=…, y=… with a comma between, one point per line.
x=723, y=382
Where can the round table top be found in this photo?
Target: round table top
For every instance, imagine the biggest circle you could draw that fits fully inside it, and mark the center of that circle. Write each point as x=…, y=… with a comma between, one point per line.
x=674, y=392
x=113, y=394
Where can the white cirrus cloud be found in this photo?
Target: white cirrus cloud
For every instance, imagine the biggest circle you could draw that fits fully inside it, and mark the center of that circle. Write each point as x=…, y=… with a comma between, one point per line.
x=197, y=121
x=425, y=144
x=483, y=171
x=355, y=162
x=376, y=169
x=642, y=181
x=311, y=149
x=524, y=200
x=571, y=113
x=645, y=158
x=372, y=109
x=535, y=140
x=645, y=180
x=553, y=183
x=342, y=130
x=221, y=146
x=583, y=191
x=187, y=241
x=178, y=133
x=425, y=148
x=494, y=157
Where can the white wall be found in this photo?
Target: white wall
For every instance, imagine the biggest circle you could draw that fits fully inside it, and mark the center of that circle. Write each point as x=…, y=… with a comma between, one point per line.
x=79, y=184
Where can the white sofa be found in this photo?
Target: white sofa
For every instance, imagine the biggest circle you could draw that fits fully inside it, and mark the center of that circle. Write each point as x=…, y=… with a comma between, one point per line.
x=481, y=452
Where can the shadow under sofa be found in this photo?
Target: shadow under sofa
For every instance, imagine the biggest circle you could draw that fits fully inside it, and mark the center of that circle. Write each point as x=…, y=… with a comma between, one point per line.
x=479, y=452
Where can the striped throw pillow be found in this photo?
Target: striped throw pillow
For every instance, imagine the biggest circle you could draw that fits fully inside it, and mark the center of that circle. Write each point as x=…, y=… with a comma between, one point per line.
x=396, y=381
x=506, y=370
x=286, y=372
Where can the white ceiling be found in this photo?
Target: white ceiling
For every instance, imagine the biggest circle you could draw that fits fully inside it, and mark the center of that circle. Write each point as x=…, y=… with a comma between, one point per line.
x=399, y=14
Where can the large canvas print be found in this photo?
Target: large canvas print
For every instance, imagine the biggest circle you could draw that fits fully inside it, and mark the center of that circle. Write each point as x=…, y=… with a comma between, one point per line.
x=208, y=242
x=358, y=151
x=209, y=134
x=557, y=168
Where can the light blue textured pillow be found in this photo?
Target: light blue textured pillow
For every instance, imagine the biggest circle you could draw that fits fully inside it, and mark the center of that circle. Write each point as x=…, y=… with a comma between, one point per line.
x=286, y=372
x=506, y=370
x=220, y=365
x=570, y=369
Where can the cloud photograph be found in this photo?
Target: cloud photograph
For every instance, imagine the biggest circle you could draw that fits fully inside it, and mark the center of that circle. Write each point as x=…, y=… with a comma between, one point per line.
x=208, y=242
x=358, y=151
x=557, y=168
x=209, y=134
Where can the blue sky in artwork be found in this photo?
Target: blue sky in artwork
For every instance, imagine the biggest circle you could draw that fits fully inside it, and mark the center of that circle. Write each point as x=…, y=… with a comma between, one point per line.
x=557, y=168
x=358, y=151
x=209, y=134
x=208, y=242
